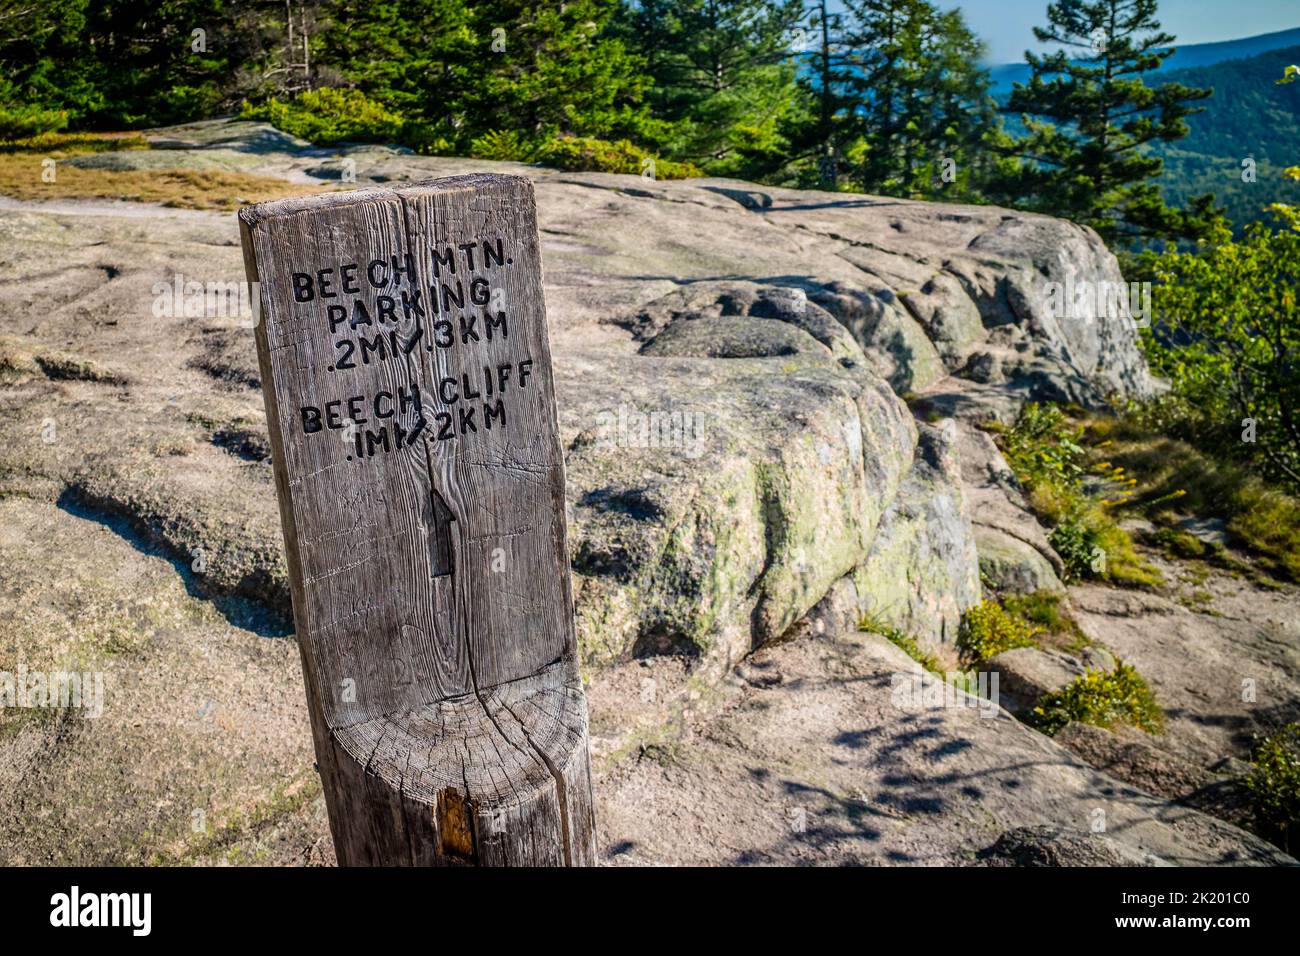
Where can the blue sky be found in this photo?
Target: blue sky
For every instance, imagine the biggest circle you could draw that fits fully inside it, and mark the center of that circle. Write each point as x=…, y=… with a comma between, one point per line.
x=1006, y=25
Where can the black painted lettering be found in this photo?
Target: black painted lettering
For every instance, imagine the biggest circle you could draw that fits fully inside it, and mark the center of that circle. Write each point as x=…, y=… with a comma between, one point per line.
x=374, y=441
x=412, y=304
x=373, y=346
x=349, y=276
x=323, y=284
x=439, y=260
x=354, y=409
x=360, y=314
x=302, y=290
x=467, y=389
x=468, y=249
x=444, y=426
x=347, y=347
x=337, y=315
x=480, y=293
x=310, y=419
x=466, y=420
x=449, y=296
x=408, y=271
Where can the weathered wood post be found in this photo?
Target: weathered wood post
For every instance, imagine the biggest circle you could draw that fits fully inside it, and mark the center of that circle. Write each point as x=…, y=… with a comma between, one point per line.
x=407, y=376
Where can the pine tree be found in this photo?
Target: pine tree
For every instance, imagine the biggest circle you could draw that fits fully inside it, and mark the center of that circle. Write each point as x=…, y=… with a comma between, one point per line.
x=415, y=56
x=722, y=77
x=815, y=128
x=919, y=104
x=546, y=68
x=1083, y=155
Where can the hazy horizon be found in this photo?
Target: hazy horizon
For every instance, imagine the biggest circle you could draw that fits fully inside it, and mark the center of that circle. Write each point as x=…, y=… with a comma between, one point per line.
x=1007, y=25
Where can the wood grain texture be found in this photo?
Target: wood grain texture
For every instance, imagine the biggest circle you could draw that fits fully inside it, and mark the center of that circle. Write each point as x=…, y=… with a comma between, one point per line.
x=407, y=375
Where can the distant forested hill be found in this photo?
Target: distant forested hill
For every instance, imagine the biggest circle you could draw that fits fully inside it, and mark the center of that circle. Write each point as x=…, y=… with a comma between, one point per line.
x=1185, y=57
x=1249, y=116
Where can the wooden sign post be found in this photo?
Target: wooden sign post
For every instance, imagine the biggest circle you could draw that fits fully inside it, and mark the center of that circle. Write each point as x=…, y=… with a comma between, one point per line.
x=409, y=397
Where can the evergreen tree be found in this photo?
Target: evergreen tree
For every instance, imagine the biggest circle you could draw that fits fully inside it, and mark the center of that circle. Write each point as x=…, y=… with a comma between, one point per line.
x=43, y=81
x=722, y=77
x=814, y=130
x=1084, y=156
x=919, y=103
x=415, y=56
x=551, y=69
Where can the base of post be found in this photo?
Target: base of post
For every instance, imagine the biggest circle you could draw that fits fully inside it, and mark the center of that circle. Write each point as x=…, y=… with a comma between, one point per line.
x=501, y=778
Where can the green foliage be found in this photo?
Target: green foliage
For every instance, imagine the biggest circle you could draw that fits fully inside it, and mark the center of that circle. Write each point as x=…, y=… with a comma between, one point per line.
x=1044, y=450
x=1257, y=118
x=557, y=71
x=1078, y=544
x=505, y=145
x=329, y=116
x=68, y=144
x=987, y=629
x=1187, y=175
x=897, y=102
x=26, y=121
x=920, y=104
x=1226, y=335
x=585, y=153
x=1173, y=476
x=904, y=642
x=1043, y=447
x=722, y=78
x=1101, y=698
x=1274, y=785
x=1044, y=612
x=1090, y=118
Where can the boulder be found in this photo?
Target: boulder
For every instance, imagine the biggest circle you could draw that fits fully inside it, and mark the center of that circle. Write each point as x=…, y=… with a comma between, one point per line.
x=923, y=570
x=1025, y=674
x=1050, y=845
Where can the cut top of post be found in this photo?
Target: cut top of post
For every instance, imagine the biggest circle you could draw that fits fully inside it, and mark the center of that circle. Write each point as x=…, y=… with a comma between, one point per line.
x=407, y=373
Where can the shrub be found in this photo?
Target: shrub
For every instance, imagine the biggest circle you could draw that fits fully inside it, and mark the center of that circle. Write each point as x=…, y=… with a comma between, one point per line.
x=988, y=629
x=1043, y=611
x=1274, y=786
x=1175, y=477
x=25, y=121
x=1043, y=447
x=68, y=144
x=1102, y=698
x=582, y=153
x=505, y=146
x=330, y=115
x=1046, y=452
x=1225, y=334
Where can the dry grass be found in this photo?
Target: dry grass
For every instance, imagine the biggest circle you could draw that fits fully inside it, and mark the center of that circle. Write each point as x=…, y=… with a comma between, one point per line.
x=20, y=177
x=67, y=144
x=1173, y=479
